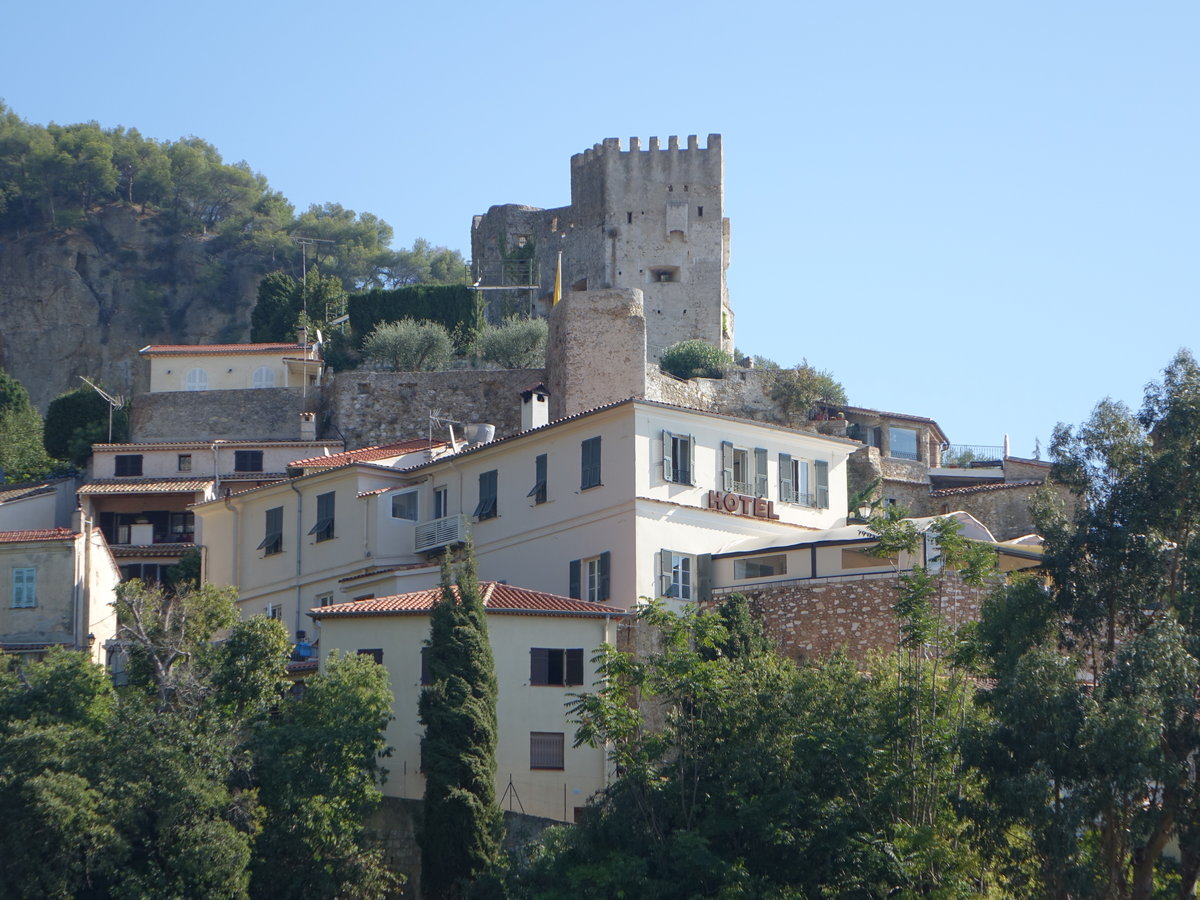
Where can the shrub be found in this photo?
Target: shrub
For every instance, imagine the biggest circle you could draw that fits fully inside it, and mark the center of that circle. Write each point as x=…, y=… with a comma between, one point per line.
x=695, y=359
x=409, y=346
x=518, y=343
x=797, y=390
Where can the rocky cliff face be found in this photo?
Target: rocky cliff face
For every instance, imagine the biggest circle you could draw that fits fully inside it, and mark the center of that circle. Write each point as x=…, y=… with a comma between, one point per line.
x=84, y=301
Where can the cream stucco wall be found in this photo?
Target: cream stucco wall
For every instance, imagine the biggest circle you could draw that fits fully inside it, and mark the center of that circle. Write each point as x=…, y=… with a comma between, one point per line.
x=224, y=372
x=521, y=708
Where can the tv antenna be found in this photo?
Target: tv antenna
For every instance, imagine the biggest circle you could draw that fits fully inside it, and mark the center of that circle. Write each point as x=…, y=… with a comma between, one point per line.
x=437, y=420
x=113, y=402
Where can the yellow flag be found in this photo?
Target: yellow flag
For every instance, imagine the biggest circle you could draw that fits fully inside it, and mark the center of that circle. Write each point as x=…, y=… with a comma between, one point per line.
x=557, y=281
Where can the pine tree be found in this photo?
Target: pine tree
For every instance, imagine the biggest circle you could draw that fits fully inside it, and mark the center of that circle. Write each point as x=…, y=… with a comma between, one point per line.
x=463, y=824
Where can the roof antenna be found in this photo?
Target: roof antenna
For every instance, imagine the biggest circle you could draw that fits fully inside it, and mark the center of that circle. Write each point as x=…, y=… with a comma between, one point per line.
x=113, y=403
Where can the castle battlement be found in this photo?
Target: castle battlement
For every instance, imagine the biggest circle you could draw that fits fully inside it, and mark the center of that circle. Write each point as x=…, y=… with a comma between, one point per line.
x=613, y=145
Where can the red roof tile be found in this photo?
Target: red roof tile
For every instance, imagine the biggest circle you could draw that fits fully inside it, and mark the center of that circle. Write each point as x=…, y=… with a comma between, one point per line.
x=366, y=454
x=497, y=598
x=982, y=488
x=129, y=551
x=20, y=493
x=217, y=349
x=40, y=534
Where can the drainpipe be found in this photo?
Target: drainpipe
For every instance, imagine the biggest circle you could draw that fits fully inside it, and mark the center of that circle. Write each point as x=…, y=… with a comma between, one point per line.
x=85, y=626
x=237, y=545
x=299, y=545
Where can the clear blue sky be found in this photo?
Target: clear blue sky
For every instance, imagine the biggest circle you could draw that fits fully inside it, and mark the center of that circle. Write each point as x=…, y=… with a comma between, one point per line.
x=982, y=213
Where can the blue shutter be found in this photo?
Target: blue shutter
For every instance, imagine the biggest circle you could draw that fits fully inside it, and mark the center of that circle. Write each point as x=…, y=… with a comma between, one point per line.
x=667, y=447
x=822, y=483
x=760, y=471
x=785, y=478
x=605, y=564
x=573, y=589
x=726, y=466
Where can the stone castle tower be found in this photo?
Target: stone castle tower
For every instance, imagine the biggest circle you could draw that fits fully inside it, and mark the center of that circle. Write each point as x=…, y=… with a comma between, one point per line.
x=651, y=220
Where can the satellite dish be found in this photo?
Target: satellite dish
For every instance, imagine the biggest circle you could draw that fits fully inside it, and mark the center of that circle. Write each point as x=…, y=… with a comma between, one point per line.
x=320, y=337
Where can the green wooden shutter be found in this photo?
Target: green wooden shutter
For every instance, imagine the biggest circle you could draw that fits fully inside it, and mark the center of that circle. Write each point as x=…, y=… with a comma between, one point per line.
x=822, y=467
x=785, y=478
x=704, y=577
x=605, y=568
x=665, y=559
x=760, y=471
x=573, y=590
x=687, y=477
x=539, y=665
x=668, y=444
x=726, y=466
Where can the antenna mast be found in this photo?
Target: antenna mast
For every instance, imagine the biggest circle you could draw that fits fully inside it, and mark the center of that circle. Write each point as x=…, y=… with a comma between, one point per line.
x=113, y=402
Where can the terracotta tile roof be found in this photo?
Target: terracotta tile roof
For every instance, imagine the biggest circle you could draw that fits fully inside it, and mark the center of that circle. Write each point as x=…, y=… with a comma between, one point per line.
x=218, y=349
x=366, y=454
x=225, y=444
x=146, y=486
x=39, y=534
x=303, y=665
x=376, y=571
x=498, y=598
x=128, y=551
x=982, y=488
x=20, y=493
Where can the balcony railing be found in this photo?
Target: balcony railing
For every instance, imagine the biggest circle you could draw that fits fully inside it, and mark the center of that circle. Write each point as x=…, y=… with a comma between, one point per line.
x=964, y=455
x=439, y=533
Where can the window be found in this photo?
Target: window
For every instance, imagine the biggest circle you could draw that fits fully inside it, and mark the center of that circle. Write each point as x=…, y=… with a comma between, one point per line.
x=760, y=567
x=150, y=573
x=860, y=559
x=247, y=461
x=275, y=611
x=181, y=525
x=538, y=491
x=552, y=666
x=902, y=443
x=264, y=377
x=676, y=570
x=272, y=541
x=426, y=678
x=590, y=474
x=677, y=457
x=24, y=588
x=794, y=484
x=486, y=508
x=184, y=463
x=197, y=380
x=128, y=465
x=441, y=503
x=589, y=578
x=375, y=654
x=821, y=496
x=743, y=472
x=546, y=750
x=324, y=527
x=404, y=506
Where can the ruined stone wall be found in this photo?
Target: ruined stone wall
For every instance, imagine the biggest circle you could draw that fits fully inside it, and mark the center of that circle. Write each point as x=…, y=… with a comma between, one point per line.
x=365, y=408
x=815, y=619
x=249, y=414
x=1005, y=511
x=595, y=351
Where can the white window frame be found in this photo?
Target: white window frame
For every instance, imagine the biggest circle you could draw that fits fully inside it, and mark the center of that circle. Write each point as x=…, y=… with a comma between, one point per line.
x=679, y=465
x=591, y=579
x=678, y=575
x=441, y=502
x=275, y=611
x=196, y=380
x=24, y=587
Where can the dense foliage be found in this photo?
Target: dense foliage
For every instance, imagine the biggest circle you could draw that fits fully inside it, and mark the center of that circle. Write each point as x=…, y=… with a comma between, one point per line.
x=22, y=456
x=460, y=837
x=695, y=359
x=200, y=778
x=516, y=343
x=56, y=176
x=798, y=390
x=79, y=418
x=409, y=346
x=457, y=307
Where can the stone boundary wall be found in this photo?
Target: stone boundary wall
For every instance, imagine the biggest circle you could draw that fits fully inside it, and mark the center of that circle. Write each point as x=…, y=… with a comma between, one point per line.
x=247, y=414
x=807, y=620
x=365, y=407
x=395, y=824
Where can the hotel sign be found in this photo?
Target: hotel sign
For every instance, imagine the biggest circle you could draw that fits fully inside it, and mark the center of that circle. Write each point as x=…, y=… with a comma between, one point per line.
x=742, y=505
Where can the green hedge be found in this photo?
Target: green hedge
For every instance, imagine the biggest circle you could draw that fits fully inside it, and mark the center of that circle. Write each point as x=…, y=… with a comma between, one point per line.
x=457, y=306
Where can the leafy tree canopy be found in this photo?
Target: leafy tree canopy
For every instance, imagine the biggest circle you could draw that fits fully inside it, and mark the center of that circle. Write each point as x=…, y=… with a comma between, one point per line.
x=79, y=418
x=22, y=456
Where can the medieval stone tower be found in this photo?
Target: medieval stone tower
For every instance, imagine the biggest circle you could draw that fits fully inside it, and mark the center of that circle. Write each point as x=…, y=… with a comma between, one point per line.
x=651, y=219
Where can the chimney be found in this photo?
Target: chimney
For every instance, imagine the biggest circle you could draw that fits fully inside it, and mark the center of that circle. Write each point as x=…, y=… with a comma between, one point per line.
x=308, y=426
x=302, y=334
x=535, y=408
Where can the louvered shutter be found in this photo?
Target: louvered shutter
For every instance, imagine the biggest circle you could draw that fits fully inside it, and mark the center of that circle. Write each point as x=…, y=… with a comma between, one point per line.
x=605, y=565
x=704, y=577
x=726, y=466
x=573, y=590
x=760, y=471
x=785, y=478
x=822, y=483
x=665, y=560
x=539, y=665
x=667, y=445
x=575, y=666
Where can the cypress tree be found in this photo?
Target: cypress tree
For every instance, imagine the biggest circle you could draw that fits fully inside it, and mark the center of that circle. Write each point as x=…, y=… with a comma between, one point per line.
x=463, y=824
